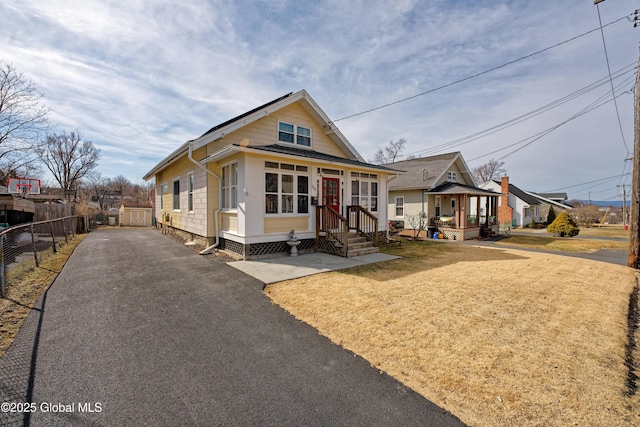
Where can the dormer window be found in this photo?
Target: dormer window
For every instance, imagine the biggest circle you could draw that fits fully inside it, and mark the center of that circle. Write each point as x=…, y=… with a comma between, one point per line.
x=452, y=176
x=293, y=134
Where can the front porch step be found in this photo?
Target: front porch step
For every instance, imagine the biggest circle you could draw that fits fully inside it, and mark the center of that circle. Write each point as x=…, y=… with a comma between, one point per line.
x=362, y=251
x=359, y=245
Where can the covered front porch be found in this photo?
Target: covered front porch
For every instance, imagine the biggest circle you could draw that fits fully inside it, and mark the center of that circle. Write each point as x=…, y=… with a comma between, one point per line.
x=461, y=212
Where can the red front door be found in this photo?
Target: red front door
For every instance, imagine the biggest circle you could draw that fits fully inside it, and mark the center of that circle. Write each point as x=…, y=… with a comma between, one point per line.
x=331, y=193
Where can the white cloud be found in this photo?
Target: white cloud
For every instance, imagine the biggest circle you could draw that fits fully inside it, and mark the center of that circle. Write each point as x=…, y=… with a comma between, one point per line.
x=141, y=77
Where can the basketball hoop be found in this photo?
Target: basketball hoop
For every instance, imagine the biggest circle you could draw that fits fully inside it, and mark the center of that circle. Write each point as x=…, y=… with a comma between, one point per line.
x=24, y=186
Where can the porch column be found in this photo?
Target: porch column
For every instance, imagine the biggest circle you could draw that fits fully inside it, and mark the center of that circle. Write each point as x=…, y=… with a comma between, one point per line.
x=478, y=211
x=462, y=212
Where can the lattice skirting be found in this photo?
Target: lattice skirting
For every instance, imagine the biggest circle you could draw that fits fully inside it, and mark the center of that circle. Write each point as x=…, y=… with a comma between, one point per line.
x=328, y=246
x=231, y=246
x=451, y=234
x=259, y=250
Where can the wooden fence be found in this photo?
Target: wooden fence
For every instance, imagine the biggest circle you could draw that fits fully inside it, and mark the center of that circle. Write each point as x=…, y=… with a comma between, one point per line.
x=49, y=211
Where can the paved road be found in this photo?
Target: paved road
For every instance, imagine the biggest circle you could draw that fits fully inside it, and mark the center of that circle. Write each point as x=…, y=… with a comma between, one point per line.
x=612, y=256
x=143, y=331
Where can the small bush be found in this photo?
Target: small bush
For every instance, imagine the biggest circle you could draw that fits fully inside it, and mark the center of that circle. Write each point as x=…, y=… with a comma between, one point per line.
x=563, y=225
x=551, y=215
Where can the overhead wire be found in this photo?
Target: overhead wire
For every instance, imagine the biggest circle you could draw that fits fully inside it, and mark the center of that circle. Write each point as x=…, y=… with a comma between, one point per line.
x=606, y=55
x=516, y=120
x=594, y=105
x=480, y=73
x=583, y=183
x=531, y=139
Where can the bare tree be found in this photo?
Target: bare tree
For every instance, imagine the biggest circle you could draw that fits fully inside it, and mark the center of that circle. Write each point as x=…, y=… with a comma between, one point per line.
x=121, y=186
x=488, y=171
x=390, y=153
x=142, y=194
x=98, y=188
x=69, y=159
x=417, y=223
x=22, y=122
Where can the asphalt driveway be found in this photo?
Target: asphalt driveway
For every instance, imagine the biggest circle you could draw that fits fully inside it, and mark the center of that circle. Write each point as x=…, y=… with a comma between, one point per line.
x=140, y=330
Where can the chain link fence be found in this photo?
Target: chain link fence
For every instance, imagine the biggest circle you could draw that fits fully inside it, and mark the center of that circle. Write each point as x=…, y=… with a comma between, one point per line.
x=24, y=246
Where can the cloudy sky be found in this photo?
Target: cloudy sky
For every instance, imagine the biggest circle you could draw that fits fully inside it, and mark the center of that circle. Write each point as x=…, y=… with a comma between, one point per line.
x=140, y=77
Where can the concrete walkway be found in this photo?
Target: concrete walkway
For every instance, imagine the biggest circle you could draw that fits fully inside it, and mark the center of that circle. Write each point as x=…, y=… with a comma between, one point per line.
x=274, y=270
x=140, y=330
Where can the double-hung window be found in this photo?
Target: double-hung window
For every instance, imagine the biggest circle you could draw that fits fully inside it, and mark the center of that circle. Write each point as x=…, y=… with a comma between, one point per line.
x=164, y=188
x=400, y=206
x=230, y=186
x=286, y=190
x=294, y=134
x=364, y=190
x=176, y=194
x=190, y=191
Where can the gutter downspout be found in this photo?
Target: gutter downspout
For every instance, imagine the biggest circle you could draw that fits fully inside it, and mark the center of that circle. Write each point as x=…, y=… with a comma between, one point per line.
x=389, y=179
x=215, y=214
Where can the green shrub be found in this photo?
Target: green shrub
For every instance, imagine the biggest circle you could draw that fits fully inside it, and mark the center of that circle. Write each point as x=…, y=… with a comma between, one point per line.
x=532, y=223
x=551, y=215
x=563, y=225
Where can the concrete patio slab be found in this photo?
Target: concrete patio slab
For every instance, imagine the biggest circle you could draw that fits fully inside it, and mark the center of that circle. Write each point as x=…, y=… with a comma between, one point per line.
x=272, y=270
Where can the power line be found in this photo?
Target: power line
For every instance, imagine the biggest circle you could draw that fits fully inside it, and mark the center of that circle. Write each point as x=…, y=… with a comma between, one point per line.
x=594, y=105
x=606, y=55
x=526, y=116
x=480, y=73
x=584, y=183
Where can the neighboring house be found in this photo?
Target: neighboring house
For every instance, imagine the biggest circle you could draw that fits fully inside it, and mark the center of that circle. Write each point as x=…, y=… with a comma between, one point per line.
x=246, y=183
x=441, y=190
x=555, y=197
x=520, y=207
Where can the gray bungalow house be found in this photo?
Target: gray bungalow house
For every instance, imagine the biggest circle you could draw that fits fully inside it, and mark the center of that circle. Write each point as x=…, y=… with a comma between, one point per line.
x=440, y=190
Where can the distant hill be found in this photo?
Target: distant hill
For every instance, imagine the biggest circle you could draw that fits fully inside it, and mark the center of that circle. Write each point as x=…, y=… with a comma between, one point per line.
x=606, y=203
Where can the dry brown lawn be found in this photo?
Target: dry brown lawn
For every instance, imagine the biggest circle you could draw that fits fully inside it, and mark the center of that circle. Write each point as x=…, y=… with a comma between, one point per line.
x=499, y=337
x=562, y=244
x=26, y=283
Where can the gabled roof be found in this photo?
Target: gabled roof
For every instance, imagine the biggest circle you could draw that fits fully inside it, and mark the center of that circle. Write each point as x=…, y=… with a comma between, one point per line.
x=221, y=130
x=248, y=113
x=549, y=201
x=558, y=197
x=306, y=102
x=455, y=188
x=425, y=172
x=522, y=195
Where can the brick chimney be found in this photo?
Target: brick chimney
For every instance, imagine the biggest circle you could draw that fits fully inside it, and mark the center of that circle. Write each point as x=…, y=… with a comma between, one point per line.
x=505, y=212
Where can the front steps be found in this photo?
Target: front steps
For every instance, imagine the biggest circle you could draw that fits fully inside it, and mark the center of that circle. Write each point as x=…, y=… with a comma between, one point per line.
x=359, y=245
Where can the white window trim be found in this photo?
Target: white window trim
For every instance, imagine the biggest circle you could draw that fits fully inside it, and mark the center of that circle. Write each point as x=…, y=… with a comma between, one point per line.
x=173, y=195
x=369, y=196
x=162, y=193
x=396, y=207
x=295, y=174
x=452, y=176
x=295, y=135
x=190, y=192
x=229, y=187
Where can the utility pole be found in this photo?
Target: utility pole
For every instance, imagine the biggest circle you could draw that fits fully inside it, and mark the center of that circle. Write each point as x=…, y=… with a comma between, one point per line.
x=634, y=209
x=624, y=204
x=633, y=259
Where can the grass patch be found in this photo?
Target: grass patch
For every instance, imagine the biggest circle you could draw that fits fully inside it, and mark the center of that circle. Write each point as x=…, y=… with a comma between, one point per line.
x=562, y=244
x=496, y=336
x=26, y=283
x=605, y=231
